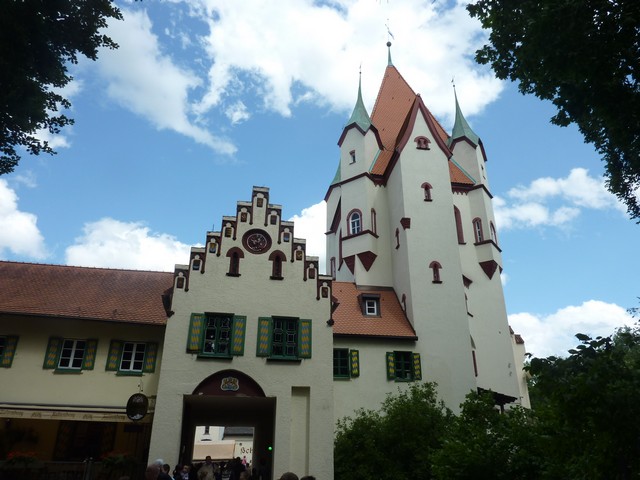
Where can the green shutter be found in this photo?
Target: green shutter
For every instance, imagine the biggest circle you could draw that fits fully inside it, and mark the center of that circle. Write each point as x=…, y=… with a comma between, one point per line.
x=237, y=335
x=417, y=367
x=150, y=356
x=10, y=343
x=196, y=330
x=89, y=359
x=354, y=363
x=263, y=346
x=391, y=366
x=304, y=339
x=115, y=353
x=53, y=353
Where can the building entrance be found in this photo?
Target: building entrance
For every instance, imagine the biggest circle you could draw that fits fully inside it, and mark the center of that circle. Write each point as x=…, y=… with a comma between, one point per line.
x=230, y=399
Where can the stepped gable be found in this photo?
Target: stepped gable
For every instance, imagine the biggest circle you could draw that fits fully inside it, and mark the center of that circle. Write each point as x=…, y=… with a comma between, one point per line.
x=350, y=321
x=102, y=294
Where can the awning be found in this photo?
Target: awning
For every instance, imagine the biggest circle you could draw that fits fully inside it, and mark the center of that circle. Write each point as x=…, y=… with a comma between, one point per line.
x=51, y=412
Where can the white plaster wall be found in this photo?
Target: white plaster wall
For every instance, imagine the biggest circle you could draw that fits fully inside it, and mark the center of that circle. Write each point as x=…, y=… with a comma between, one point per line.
x=255, y=295
x=33, y=385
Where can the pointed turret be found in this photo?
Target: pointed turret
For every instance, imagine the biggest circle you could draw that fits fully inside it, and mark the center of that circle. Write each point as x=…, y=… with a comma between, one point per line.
x=360, y=116
x=461, y=128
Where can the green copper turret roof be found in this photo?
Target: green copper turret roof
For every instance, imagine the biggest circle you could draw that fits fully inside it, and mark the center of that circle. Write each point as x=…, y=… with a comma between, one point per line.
x=461, y=128
x=360, y=115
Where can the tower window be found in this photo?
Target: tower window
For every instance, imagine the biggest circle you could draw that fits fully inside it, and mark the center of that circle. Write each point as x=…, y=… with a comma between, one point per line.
x=459, y=231
x=426, y=188
x=494, y=236
x=352, y=155
x=422, y=143
x=355, y=222
x=435, y=268
x=477, y=230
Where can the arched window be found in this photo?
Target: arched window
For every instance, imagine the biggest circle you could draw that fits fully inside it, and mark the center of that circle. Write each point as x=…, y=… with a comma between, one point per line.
x=435, y=268
x=459, y=231
x=397, y=238
x=355, y=222
x=477, y=230
x=426, y=188
x=494, y=236
x=374, y=224
x=277, y=260
x=422, y=143
x=234, y=254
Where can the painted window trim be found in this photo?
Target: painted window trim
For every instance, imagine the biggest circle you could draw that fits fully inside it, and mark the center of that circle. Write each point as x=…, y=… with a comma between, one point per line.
x=354, y=229
x=9, y=346
x=415, y=366
x=197, y=327
x=116, y=352
x=353, y=364
x=54, y=351
x=264, y=345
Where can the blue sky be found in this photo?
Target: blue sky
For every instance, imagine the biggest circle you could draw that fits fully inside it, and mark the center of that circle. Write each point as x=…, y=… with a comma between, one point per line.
x=206, y=98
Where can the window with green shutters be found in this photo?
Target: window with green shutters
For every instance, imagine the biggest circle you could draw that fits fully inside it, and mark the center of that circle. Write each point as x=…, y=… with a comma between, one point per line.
x=284, y=338
x=216, y=335
x=132, y=358
x=70, y=355
x=346, y=363
x=403, y=366
x=8, y=344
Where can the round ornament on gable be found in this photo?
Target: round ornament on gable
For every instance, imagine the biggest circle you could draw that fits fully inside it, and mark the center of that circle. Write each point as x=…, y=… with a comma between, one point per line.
x=256, y=241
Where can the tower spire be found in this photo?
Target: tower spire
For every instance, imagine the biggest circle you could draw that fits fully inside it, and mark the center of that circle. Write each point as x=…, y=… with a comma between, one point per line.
x=360, y=115
x=461, y=128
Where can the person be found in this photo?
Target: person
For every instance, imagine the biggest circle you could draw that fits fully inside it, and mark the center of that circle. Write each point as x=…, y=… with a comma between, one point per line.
x=289, y=476
x=183, y=473
x=164, y=472
x=152, y=471
x=206, y=470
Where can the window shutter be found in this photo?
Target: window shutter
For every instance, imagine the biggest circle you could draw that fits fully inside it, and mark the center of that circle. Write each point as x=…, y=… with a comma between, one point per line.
x=304, y=339
x=354, y=360
x=196, y=330
x=11, y=342
x=417, y=367
x=391, y=366
x=53, y=353
x=115, y=353
x=263, y=347
x=237, y=336
x=89, y=359
x=151, y=354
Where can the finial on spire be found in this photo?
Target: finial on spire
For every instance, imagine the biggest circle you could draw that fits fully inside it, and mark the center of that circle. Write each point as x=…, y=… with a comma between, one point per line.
x=389, y=37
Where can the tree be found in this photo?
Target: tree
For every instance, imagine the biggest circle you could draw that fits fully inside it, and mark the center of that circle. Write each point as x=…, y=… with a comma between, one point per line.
x=588, y=408
x=38, y=41
x=483, y=443
x=396, y=442
x=584, y=56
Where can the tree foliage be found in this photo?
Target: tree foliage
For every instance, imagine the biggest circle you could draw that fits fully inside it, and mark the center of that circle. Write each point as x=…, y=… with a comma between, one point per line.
x=38, y=41
x=584, y=56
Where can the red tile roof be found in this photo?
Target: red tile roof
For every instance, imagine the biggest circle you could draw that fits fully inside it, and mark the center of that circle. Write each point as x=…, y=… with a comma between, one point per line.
x=87, y=293
x=349, y=319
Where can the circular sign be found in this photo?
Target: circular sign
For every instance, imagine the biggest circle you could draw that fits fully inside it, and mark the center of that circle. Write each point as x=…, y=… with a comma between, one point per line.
x=137, y=406
x=257, y=241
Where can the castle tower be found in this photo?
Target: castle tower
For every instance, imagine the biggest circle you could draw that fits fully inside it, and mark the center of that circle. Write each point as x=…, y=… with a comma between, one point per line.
x=409, y=216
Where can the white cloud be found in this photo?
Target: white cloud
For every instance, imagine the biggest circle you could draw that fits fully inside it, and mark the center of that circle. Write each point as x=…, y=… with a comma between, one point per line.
x=146, y=81
x=310, y=225
x=237, y=112
x=553, y=201
x=554, y=334
x=293, y=50
x=19, y=233
x=115, y=244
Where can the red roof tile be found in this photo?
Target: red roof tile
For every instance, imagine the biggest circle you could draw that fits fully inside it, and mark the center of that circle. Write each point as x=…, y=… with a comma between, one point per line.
x=80, y=292
x=349, y=319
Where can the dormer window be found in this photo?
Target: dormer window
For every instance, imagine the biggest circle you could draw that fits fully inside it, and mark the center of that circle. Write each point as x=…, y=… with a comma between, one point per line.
x=352, y=155
x=370, y=305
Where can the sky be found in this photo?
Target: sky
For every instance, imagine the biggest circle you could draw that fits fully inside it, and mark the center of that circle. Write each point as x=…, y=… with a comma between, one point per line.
x=206, y=98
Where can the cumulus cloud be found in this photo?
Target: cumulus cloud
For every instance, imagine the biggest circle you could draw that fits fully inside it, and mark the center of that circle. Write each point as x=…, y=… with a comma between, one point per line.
x=554, y=334
x=115, y=244
x=291, y=51
x=144, y=80
x=553, y=201
x=237, y=112
x=19, y=233
x=310, y=225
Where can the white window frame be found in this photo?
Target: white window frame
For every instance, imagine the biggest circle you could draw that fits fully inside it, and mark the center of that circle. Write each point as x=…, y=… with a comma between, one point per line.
x=138, y=352
x=371, y=307
x=76, y=354
x=355, y=223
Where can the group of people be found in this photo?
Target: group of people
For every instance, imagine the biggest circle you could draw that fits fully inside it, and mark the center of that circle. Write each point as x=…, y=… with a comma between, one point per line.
x=208, y=470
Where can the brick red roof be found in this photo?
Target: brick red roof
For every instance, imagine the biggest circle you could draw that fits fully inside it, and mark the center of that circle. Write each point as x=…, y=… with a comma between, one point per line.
x=88, y=293
x=349, y=319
